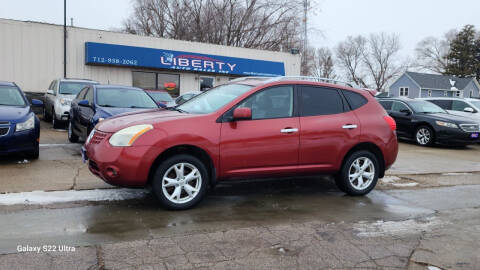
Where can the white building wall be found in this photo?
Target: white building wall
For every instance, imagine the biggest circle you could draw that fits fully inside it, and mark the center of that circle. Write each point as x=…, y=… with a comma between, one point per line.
x=31, y=54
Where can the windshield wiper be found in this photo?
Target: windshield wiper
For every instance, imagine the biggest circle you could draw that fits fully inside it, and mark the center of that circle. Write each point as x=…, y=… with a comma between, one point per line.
x=176, y=109
x=106, y=105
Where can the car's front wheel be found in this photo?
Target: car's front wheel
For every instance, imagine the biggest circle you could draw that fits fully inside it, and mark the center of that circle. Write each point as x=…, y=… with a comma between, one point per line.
x=46, y=116
x=35, y=153
x=424, y=136
x=359, y=173
x=71, y=135
x=180, y=182
x=55, y=122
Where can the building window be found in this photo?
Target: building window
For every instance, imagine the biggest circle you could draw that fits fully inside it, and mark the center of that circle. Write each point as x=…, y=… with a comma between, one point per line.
x=206, y=83
x=445, y=93
x=404, y=91
x=429, y=93
x=160, y=81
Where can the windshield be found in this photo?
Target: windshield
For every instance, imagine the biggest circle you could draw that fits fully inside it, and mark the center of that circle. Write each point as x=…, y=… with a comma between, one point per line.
x=124, y=98
x=476, y=103
x=160, y=96
x=214, y=99
x=11, y=96
x=425, y=107
x=72, y=88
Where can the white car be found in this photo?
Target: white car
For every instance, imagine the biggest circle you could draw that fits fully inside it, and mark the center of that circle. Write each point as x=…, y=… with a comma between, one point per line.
x=58, y=98
x=467, y=107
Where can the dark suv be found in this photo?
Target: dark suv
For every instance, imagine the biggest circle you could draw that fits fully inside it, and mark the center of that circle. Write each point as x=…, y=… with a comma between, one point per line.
x=248, y=128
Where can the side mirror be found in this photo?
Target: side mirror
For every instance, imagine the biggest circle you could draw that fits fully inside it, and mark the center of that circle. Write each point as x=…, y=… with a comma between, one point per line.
x=36, y=103
x=406, y=111
x=243, y=113
x=84, y=103
x=50, y=92
x=469, y=110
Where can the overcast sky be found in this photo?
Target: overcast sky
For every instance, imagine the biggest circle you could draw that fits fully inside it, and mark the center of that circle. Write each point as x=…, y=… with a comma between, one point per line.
x=335, y=19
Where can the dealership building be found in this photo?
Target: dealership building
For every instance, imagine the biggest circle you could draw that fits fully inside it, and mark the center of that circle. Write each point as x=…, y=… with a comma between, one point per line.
x=32, y=55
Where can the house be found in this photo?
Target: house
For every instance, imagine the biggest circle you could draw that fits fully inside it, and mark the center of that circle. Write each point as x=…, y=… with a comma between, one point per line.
x=415, y=85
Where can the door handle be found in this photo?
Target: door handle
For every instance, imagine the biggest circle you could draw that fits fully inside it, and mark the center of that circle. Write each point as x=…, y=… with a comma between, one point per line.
x=289, y=130
x=349, y=126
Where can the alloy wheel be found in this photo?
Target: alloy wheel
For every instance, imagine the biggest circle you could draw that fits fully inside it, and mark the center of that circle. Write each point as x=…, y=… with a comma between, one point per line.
x=361, y=173
x=423, y=136
x=181, y=183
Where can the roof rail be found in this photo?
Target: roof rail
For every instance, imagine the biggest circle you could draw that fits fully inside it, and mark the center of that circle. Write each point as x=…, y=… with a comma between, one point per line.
x=302, y=78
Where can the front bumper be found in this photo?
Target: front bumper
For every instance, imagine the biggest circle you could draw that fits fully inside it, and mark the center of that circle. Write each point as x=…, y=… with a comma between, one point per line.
x=120, y=166
x=23, y=141
x=62, y=112
x=456, y=136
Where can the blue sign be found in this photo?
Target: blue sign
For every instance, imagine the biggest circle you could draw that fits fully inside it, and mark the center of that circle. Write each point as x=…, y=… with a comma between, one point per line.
x=120, y=55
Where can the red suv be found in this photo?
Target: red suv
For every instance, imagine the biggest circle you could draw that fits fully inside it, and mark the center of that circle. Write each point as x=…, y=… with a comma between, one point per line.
x=248, y=128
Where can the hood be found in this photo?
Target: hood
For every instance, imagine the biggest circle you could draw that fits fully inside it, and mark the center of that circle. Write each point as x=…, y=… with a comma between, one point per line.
x=107, y=111
x=450, y=118
x=71, y=97
x=13, y=113
x=153, y=117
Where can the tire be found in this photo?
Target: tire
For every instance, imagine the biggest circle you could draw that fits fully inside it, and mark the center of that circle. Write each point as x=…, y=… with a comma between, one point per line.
x=424, y=136
x=183, y=200
x=71, y=135
x=354, y=165
x=55, y=121
x=35, y=153
x=46, y=117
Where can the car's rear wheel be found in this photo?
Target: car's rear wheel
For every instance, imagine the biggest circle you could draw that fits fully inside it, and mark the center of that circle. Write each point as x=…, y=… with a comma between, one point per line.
x=46, y=116
x=424, y=136
x=71, y=135
x=359, y=173
x=180, y=182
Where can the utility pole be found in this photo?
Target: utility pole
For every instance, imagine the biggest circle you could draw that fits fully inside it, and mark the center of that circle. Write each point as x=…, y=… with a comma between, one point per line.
x=305, y=37
x=65, y=38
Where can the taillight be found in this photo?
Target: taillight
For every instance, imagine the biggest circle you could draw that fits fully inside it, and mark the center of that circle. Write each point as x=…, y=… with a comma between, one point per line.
x=391, y=122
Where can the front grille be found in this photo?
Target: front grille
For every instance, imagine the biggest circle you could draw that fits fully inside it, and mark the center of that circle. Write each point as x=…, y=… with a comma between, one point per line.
x=469, y=127
x=4, y=131
x=98, y=136
x=2, y=123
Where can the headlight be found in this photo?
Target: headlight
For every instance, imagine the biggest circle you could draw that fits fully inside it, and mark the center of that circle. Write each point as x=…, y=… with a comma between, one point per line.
x=29, y=124
x=127, y=136
x=446, y=124
x=65, y=101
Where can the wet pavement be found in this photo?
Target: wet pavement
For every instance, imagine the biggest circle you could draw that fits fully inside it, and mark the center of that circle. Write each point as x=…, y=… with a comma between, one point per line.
x=424, y=213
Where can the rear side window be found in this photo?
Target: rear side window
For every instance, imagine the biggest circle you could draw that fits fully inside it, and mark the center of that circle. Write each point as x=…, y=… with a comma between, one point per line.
x=444, y=104
x=320, y=101
x=354, y=99
x=387, y=105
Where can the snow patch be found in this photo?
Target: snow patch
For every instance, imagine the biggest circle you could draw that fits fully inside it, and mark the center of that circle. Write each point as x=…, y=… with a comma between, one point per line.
x=411, y=184
x=433, y=268
x=25, y=161
x=49, y=197
x=390, y=179
x=456, y=173
x=389, y=228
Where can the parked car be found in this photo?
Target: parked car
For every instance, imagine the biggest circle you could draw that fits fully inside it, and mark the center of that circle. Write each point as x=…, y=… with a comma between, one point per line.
x=161, y=97
x=467, y=107
x=19, y=126
x=186, y=97
x=428, y=124
x=250, y=128
x=59, y=97
x=97, y=102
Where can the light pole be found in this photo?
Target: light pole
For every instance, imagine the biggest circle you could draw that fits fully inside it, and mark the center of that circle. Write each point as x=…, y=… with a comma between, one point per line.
x=64, y=38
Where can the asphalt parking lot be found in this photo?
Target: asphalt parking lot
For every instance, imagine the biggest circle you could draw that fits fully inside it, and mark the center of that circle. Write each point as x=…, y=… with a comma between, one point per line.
x=425, y=212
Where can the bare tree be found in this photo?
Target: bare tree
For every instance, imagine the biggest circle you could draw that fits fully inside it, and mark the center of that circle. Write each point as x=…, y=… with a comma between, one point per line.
x=370, y=62
x=350, y=59
x=431, y=53
x=262, y=24
x=323, y=64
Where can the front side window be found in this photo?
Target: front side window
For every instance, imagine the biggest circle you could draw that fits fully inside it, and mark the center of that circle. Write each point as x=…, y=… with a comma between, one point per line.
x=404, y=91
x=421, y=106
x=124, y=98
x=11, y=96
x=320, y=101
x=89, y=96
x=275, y=102
x=458, y=105
x=399, y=106
x=214, y=99
x=444, y=104
x=387, y=105
x=71, y=88
x=82, y=93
